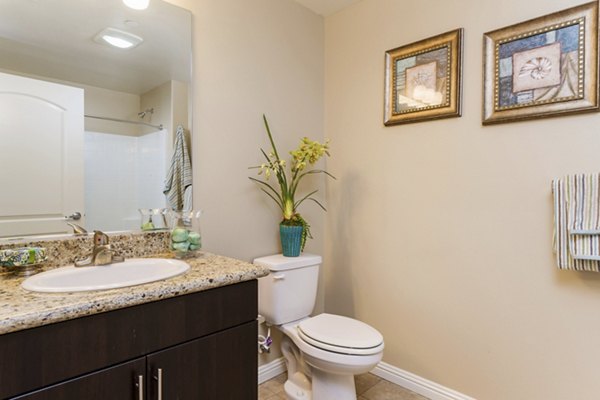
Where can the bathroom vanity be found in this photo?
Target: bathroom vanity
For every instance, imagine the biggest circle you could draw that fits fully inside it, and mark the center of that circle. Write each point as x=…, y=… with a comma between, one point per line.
x=189, y=337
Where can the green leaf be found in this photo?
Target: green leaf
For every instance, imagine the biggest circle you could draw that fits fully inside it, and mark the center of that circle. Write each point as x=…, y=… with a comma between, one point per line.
x=266, y=156
x=296, y=181
x=280, y=200
x=270, y=137
x=281, y=177
x=273, y=197
x=316, y=201
x=304, y=198
x=317, y=171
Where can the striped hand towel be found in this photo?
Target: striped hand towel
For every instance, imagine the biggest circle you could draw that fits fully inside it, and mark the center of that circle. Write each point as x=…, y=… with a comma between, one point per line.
x=583, y=216
x=563, y=195
x=179, y=177
x=584, y=204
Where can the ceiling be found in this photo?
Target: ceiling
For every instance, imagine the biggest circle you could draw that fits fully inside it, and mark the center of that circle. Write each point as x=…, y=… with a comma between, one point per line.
x=326, y=7
x=54, y=39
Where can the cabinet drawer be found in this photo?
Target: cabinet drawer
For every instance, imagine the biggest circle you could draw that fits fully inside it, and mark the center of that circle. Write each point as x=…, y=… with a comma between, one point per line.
x=38, y=357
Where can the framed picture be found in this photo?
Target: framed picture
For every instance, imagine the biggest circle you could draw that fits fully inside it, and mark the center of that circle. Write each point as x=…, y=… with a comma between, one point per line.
x=544, y=67
x=423, y=79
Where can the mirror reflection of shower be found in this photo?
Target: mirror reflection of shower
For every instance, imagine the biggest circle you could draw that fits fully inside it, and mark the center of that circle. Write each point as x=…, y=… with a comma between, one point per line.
x=125, y=170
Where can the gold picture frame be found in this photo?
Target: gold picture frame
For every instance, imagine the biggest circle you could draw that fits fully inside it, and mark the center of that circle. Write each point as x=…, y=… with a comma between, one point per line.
x=544, y=67
x=423, y=80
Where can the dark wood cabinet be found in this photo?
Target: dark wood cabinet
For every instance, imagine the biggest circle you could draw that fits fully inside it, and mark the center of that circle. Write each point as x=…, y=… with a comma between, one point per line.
x=214, y=367
x=116, y=383
x=196, y=346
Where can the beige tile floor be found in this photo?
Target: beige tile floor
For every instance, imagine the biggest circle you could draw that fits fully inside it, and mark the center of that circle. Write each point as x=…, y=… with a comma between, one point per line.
x=368, y=387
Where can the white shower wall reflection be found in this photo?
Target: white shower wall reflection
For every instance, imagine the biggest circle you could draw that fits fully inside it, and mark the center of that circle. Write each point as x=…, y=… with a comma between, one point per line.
x=122, y=174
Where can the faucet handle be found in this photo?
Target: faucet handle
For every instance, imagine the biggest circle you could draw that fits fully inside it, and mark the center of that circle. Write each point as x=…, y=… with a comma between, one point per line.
x=101, y=254
x=100, y=238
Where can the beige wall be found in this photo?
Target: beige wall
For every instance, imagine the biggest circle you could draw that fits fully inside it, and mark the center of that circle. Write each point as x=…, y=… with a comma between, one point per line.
x=180, y=105
x=250, y=58
x=158, y=98
x=439, y=233
x=110, y=103
x=170, y=104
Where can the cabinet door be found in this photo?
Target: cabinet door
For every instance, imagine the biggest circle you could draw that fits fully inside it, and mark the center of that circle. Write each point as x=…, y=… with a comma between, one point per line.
x=116, y=383
x=222, y=366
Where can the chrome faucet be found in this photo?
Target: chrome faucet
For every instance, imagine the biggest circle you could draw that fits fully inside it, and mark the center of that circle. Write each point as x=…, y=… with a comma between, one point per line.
x=101, y=254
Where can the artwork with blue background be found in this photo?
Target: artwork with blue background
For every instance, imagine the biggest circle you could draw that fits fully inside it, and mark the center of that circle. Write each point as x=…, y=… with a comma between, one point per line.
x=421, y=80
x=541, y=68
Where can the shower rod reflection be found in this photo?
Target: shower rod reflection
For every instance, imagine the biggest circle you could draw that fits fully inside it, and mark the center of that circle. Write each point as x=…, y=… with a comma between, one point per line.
x=159, y=127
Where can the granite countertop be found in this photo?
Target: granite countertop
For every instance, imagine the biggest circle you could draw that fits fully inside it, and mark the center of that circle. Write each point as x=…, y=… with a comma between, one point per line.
x=21, y=309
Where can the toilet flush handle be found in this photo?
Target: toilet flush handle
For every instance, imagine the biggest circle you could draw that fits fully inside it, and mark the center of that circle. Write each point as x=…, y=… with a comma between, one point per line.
x=278, y=277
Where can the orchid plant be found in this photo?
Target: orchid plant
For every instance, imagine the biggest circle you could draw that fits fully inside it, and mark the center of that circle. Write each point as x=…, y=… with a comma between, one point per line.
x=307, y=154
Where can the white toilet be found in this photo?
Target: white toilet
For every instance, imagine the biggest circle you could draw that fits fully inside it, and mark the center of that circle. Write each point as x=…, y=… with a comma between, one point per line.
x=324, y=352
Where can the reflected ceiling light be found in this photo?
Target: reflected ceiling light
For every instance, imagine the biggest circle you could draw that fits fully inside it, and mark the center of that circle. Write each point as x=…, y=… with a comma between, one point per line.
x=118, y=38
x=137, y=4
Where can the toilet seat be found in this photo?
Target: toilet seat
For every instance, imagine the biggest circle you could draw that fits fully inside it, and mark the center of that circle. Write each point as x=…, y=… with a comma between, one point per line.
x=340, y=334
x=336, y=361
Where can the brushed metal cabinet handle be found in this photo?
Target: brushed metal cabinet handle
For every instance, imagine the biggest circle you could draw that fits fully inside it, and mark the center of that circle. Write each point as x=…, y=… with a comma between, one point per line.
x=159, y=379
x=140, y=387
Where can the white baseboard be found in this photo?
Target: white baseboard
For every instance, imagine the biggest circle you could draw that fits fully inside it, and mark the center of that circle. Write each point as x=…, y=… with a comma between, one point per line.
x=271, y=370
x=408, y=380
x=417, y=384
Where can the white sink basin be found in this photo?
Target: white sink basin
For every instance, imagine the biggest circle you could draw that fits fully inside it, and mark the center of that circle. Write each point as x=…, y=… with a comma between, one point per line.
x=133, y=271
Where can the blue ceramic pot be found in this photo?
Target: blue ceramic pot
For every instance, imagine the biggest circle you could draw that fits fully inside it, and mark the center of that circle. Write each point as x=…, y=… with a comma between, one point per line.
x=291, y=238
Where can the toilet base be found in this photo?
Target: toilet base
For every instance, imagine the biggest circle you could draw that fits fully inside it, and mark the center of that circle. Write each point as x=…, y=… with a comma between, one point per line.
x=328, y=386
x=296, y=392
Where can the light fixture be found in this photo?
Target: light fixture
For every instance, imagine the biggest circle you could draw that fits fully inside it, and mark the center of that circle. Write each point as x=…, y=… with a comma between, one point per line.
x=137, y=4
x=118, y=38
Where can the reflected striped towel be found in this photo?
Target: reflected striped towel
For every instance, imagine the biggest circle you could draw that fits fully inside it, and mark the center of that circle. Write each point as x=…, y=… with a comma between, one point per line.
x=565, y=212
x=179, y=177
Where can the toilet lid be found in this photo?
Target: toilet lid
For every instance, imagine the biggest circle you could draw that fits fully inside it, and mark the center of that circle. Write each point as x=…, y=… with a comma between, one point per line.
x=340, y=334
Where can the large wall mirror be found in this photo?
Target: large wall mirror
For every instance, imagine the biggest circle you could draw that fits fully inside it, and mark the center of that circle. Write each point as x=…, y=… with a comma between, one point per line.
x=92, y=93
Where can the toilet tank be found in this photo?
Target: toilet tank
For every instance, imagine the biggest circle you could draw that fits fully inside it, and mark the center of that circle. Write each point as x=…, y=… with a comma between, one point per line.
x=289, y=292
